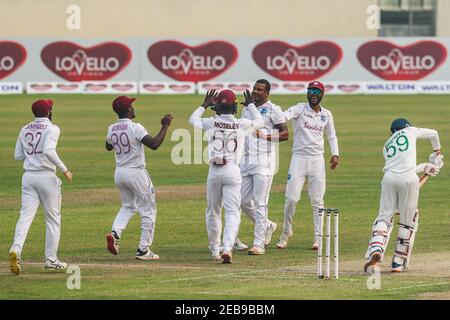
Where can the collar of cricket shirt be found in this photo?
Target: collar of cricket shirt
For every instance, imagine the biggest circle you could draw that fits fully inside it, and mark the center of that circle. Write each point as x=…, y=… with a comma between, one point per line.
x=310, y=110
x=42, y=119
x=265, y=104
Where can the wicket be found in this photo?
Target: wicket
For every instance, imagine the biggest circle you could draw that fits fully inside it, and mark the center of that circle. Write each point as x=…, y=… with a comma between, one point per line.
x=328, y=212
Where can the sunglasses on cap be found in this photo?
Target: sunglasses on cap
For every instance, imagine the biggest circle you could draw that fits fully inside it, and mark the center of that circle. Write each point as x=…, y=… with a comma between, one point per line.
x=314, y=91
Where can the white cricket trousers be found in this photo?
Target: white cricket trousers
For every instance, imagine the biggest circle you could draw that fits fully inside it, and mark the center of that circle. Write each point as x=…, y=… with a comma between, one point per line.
x=301, y=169
x=399, y=192
x=137, y=194
x=223, y=190
x=43, y=188
x=255, y=192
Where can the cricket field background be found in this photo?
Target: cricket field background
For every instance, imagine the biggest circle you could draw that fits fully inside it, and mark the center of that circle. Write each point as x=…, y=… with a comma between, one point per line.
x=185, y=270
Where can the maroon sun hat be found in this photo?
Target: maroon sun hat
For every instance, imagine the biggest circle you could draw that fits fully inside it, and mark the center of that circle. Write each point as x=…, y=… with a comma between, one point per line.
x=122, y=103
x=225, y=97
x=40, y=108
x=316, y=84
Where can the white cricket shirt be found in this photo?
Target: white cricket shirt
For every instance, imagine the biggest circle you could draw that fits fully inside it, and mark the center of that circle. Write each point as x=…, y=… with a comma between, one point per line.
x=226, y=133
x=259, y=154
x=399, y=151
x=36, y=145
x=125, y=136
x=308, y=130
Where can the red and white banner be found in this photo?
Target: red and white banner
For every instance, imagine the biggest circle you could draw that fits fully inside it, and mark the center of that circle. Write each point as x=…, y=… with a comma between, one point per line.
x=11, y=88
x=74, y=62
x=161, y=87
x=54, y=87
x=345, y=65
x=285, y=61
x=12, y=56
x=390, y=61
x=110, y=87
x=202, y=62
x=237, y=86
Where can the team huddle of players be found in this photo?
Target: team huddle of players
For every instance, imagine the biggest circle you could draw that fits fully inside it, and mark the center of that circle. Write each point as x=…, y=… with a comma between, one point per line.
x=242, y=163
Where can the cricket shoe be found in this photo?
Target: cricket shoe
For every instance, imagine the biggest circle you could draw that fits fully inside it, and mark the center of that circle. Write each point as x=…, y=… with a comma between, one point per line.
x=55, y=265
x=226, y=257
x=14, y=263
x=256, y=251
x=283, y=241
x=215, y=256
x=374, y=259
x=112, y=240
x=239, y=246
x=315, y=246
x=398, y=267
x=270, y=230
x=146, y=255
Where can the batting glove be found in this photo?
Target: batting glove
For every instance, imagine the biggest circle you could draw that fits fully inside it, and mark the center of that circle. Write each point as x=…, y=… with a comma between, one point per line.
x=431, y=169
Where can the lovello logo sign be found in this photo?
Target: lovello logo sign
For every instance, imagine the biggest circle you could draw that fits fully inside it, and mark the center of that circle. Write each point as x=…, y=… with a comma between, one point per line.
x=12, y=56
x=302, y=63
x=76, y=63
x=198, y=63
x=393, y=62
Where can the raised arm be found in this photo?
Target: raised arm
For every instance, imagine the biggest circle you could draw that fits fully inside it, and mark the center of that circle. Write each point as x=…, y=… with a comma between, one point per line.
x=156, y=141
x=196, y=117
x=258, y=121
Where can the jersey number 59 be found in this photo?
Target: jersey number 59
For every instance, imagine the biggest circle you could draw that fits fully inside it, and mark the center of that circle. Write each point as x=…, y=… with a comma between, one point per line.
x=401, y=144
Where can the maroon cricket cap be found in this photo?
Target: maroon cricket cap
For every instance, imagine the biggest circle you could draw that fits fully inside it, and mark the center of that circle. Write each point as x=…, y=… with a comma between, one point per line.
x=316, y=84
x=122, y=103
x=40, y=108
x=225, y=97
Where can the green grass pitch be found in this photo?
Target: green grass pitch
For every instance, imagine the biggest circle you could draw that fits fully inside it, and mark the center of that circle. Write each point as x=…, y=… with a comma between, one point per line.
x=91, y=202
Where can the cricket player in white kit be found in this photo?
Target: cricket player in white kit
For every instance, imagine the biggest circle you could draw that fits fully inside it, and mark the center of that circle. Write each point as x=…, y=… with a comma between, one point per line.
x=400, y=192
x=310, y=121
x=225, y=146
x=127, y=139
x=258, y=164
x=36, y=146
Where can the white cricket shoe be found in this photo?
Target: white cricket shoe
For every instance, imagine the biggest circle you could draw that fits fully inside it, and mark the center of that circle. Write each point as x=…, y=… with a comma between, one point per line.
x=15, y=262
x=270, y=230
x=146, y=255
x=239, y=245
x=55, y=264
x=315, y=246
x=283, y=241
x=112, y=240
x=374, y=259
x=397, y=267
x=256, y=251
x=226, y=257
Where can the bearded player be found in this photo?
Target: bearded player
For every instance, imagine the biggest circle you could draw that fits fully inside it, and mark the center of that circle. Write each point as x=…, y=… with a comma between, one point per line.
x=128, y=138
x=310, y=121
x=259, y=164
x=36, y=146
x=400, y=192
x=225, y=146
